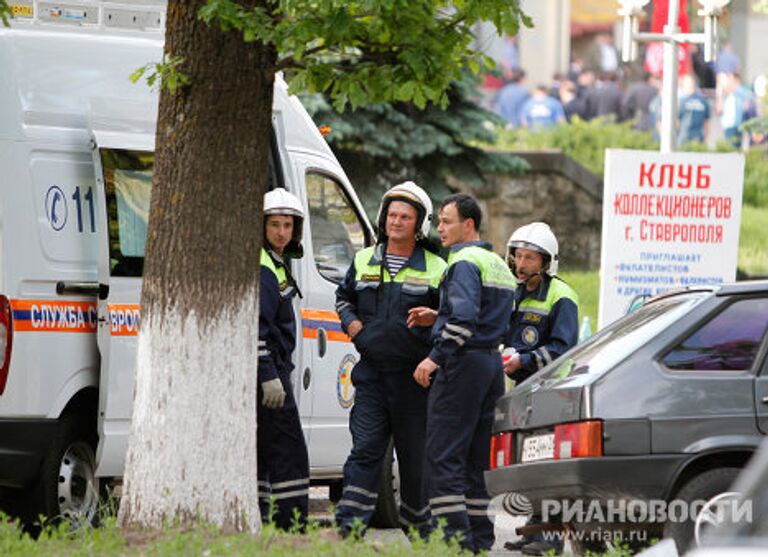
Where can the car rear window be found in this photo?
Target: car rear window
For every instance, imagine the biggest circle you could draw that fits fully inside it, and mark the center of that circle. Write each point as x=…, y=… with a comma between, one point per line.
x=729, y=341
x=621, y=338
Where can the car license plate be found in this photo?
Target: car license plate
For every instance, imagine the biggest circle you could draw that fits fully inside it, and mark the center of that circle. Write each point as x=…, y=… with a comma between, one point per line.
x=538, y=447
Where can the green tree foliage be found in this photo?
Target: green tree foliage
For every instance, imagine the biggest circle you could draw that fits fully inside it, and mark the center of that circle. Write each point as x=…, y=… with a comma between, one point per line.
x=370, y=51
x=383, y=144
x=5, y=12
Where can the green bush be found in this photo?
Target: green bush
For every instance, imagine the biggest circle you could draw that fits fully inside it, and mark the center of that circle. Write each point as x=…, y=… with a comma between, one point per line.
x=586, y=142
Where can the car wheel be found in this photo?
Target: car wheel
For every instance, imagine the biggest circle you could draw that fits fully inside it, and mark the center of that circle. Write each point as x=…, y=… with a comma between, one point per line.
x=67, y=488
x=708, y=486
x=387, y=512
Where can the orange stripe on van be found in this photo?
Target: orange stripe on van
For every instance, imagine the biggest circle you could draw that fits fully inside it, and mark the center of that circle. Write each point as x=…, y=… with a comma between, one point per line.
x=320, y=315
x=124, y=319
x=312, y=320
x=54, y=316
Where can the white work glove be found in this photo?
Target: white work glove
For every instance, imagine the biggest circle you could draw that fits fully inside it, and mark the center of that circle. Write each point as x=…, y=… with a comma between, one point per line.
x=508, y=353
x=274, y=394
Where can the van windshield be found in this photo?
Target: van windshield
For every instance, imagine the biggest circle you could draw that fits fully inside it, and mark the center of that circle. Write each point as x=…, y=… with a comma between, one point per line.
x=617, y=341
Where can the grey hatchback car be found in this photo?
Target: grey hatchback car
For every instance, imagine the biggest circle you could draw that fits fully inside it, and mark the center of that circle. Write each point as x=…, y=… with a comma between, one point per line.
x=664, y=406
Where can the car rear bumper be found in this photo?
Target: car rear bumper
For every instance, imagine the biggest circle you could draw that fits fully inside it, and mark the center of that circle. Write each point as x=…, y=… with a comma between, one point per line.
x=606, y=478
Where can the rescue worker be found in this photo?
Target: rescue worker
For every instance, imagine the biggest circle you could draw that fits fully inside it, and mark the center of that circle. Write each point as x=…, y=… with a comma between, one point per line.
x=282, y=452
x=473, y=316
x=382, y=284
x=545, y=318
x=544, y=325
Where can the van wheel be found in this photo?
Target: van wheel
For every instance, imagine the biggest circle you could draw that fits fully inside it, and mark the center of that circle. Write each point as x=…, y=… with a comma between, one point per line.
x=387, y=512
x=706, y=486
x=67, y=488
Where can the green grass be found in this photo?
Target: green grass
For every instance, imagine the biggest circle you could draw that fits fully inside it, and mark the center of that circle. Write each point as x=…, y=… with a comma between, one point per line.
x=587, y=286
x=753, y=260
x=205, y=541
x=753, y=240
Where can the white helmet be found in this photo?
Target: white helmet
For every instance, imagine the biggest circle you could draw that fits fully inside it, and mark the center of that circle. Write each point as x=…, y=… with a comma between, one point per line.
x=413, y=195
x=280, y=201
x=536, y=236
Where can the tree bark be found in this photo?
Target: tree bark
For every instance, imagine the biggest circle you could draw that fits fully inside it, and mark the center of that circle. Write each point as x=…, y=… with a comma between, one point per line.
x=192, y=447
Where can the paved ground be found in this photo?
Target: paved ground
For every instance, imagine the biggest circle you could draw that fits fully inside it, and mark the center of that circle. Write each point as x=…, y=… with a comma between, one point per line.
x=505, y=524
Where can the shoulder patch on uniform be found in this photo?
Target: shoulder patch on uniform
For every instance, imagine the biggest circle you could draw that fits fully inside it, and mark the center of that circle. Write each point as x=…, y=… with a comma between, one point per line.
x=530, y=335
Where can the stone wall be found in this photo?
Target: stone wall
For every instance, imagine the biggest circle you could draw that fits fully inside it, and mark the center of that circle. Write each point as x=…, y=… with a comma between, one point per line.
x=556, y=190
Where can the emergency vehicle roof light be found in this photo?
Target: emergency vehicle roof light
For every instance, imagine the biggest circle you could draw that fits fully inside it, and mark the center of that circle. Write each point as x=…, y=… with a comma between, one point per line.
x=6, y=340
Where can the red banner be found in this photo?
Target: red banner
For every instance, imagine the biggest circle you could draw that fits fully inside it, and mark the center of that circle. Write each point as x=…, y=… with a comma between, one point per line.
x=653, y=55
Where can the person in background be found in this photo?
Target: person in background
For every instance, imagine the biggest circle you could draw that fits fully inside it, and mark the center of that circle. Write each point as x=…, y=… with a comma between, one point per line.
x=603, y=57
x=554, y=87
x=585, y=82
x=541, y=111
x=572, y=104
x=511, y=99
x=727, y=62
x=705, y=71
x=693, y=112
x=605, y=98
x=735, y=105
x=510, y=57
x=283, y=463
x=575, y=68
x=636, y=102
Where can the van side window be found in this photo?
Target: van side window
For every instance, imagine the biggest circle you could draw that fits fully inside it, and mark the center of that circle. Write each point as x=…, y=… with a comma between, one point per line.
x=728, y=342
x=337, y=232
x=128, y=185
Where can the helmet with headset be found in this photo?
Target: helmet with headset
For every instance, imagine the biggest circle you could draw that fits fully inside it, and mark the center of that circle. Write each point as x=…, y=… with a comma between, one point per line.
x=536, y=236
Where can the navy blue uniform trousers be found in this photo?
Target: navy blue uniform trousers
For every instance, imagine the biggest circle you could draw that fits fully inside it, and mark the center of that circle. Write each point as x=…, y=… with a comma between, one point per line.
x=387, y=405
x=282, y=460
x=459, y=421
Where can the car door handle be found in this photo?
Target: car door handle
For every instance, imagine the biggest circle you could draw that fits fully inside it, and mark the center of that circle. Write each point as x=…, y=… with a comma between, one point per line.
x=322, y=341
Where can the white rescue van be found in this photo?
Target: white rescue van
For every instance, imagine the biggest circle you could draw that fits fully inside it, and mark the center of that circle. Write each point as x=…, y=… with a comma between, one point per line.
x=76, y=155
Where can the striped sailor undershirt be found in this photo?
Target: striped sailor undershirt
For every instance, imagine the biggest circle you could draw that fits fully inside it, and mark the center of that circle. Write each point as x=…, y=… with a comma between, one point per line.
x=395, y=263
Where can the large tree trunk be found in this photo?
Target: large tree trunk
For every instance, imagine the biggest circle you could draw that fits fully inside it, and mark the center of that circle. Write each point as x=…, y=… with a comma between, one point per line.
x=192, y=449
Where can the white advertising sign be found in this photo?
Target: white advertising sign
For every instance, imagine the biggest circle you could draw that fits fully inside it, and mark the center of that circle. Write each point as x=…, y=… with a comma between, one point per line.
x=670, y=220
